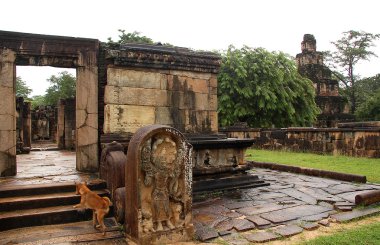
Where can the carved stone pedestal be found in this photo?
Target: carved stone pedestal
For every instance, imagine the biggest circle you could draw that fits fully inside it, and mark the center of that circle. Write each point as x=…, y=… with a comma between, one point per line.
x=158, y=187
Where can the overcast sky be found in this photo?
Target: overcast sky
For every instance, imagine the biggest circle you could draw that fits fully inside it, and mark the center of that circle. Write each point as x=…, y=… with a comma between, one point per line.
x=277, y=25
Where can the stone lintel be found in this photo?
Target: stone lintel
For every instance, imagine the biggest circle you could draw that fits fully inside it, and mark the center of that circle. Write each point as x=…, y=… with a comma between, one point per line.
x=163, y=57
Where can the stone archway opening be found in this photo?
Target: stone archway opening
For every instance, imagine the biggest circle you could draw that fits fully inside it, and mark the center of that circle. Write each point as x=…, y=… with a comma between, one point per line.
x=45, y=122
x=23, y=49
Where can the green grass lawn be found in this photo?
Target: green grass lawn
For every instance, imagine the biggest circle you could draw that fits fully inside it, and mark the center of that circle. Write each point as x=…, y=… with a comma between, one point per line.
x=366, y=234
x=369, y=167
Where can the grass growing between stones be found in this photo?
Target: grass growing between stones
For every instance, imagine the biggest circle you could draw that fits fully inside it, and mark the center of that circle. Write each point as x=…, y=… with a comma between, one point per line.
x=369, y=167
x=367, y=234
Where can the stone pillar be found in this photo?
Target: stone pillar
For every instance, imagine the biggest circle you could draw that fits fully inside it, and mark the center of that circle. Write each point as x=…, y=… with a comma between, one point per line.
x=61, y=125
x=27, y=125
x=158, y=185
x=7, y=113
x=70, y=124
x=87, y=114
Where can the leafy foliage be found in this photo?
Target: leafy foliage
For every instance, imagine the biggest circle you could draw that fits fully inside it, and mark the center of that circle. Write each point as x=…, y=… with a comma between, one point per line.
x=22, y=90
x=264, y=89
x=352, y=47
x=131, y=37
x=37, y=100
x=61, y=87
x=368, y=98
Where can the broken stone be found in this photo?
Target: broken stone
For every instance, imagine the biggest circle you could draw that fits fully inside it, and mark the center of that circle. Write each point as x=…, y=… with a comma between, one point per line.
x=243, y=225
x=316, y=217
x=237, y=205
x=309, y=226
x=257, y=220
x=288, y=230
x=355, y=214
x=320, y=195
x=300, y=196
x=261, y=236
x=324, y=222
x=343, y=208
x=294, y=213
x=205, y=233
x=224, y=233
x=350, y=196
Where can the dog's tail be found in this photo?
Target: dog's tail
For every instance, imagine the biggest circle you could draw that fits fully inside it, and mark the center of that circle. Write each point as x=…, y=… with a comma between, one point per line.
x=108, y=201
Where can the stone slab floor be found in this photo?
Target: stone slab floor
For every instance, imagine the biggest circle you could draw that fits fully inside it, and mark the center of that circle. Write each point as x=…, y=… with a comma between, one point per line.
x=292, y=203
x=41, y=167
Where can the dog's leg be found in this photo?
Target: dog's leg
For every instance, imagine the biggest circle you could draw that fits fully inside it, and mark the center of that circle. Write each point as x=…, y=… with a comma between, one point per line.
x=100, y=215
x=94, y=218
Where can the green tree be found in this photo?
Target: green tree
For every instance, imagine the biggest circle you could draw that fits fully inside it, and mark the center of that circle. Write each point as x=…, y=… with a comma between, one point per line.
x=61, y=87
x=37, y=100
x=368, y=98
x=352, y=47
x=22, y=90
x=131, y=37
x=264, y=89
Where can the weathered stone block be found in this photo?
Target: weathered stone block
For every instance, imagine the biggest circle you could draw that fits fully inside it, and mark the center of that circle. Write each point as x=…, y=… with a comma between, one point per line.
x=7, y=122
x=8, y=163
x=200, y=121
x=163, y=115
x=202, y=102
x=213, y=81
x=135, y=79
x=183, y=83
x=135, y=96
x=198, y=75
x=8, y=140
x=7, y=101
x=86, y=136
x=372, y=141
x=127, y=118
x=87, y=89
x=218, y=157
x=87, y=157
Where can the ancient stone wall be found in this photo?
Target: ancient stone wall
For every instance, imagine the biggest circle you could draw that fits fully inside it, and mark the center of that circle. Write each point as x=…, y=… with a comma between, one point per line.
x=352, y=139
x=148, y=84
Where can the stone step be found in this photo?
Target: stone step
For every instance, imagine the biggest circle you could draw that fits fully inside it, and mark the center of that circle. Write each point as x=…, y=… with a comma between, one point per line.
x=43, y=216
x=43, y=200
x=228, y=183
x=78, y=232
x=51, y=188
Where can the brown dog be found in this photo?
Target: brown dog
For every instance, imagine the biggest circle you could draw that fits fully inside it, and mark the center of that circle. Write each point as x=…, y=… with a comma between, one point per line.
x=99, y=205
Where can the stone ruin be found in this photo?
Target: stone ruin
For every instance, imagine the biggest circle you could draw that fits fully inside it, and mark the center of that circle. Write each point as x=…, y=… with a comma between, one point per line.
x=23, y=126
x=120, y=90
x=44, y=123
x=158, y=207
x=334, y=109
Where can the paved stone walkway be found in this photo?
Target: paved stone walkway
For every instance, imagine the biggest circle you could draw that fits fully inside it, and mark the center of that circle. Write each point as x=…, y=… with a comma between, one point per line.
x=289, y=205
x=40, y=167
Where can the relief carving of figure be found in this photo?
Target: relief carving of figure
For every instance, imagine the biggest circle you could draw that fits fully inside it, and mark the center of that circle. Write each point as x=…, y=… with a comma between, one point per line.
x=161, y=165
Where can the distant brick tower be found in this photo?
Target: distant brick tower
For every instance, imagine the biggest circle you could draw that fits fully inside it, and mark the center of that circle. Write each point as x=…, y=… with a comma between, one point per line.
x=310, y=64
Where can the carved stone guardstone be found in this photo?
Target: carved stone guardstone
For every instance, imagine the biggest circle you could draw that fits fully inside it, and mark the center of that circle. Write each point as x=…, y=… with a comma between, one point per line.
x=112, y=166
x=158, y=186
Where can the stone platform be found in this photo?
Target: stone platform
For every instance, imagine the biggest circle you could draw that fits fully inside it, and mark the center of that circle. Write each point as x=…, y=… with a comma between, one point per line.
x=292, y=203
x=41, y=167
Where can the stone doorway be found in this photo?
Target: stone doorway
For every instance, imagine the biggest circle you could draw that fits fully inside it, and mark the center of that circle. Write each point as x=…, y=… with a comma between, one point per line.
x=43, y=50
